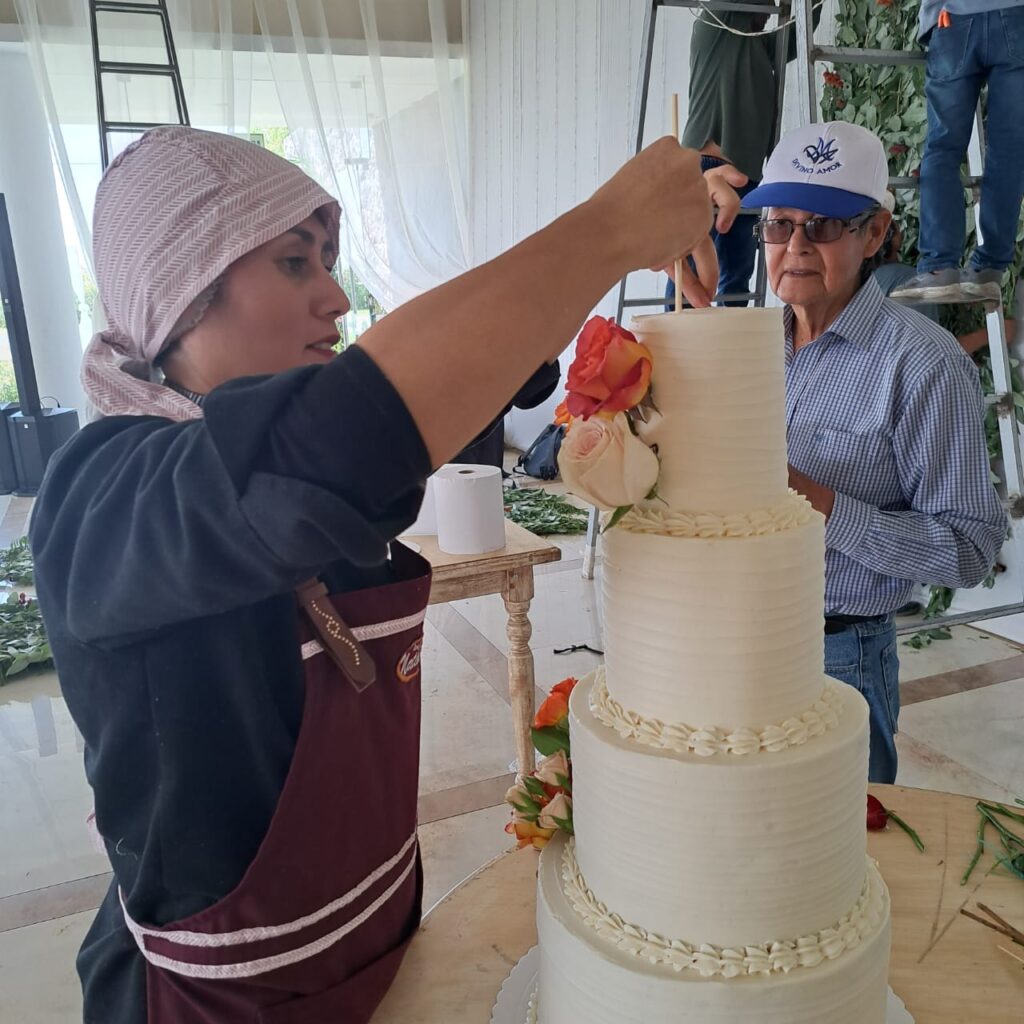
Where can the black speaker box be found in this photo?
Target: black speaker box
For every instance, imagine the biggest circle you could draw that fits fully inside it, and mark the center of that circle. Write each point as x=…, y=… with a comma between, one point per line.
x=34, y=438
x=8, y=470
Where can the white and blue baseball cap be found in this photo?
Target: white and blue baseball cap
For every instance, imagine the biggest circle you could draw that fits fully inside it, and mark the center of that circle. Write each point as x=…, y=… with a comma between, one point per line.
x=834, y=169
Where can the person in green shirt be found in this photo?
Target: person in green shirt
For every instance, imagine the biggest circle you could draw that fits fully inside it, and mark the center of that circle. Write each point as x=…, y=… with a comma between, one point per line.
x=731, y=121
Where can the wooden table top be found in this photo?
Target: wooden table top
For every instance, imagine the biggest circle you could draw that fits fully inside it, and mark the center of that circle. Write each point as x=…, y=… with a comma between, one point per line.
x=522, y=548
x=946, y=968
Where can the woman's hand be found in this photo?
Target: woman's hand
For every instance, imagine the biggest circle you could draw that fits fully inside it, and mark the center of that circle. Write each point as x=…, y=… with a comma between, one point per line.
x=699, y=289
x=722, y=183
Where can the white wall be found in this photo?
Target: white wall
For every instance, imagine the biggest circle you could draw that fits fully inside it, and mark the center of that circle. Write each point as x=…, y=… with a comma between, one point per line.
x=551, y=103
x=26, y=179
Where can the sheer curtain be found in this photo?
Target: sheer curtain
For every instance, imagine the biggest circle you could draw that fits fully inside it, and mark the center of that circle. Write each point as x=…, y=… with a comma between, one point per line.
x=217, y=78
x=367, y=95
x=374, y=100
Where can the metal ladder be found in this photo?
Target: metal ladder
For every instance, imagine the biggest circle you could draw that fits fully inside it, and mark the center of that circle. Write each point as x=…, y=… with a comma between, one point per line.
x=639, y=119
x=169, y=70
x=809, y=55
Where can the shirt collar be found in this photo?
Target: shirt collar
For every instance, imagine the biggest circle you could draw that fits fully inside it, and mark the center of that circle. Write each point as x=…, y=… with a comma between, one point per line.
x=856, y=323
x=192, y=396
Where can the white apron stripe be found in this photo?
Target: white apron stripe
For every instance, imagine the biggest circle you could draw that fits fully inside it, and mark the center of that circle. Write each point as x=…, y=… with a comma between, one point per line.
x=376, y=632
x=251, y=968
x=210, y=939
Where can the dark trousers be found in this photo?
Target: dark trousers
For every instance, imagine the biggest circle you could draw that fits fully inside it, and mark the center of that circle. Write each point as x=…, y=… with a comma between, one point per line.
x=975, y=49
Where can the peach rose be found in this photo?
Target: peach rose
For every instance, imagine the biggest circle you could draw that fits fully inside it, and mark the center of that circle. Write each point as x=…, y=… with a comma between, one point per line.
x=519, y=797
x=603, y=462
x=552, y=768
x=611, y=371
x=559, y=809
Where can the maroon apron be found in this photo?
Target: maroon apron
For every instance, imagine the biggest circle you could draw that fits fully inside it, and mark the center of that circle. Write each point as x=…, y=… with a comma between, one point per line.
x=316, y=929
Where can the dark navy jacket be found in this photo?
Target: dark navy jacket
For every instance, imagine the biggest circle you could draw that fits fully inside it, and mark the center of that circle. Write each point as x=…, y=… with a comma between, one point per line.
x=166, y=555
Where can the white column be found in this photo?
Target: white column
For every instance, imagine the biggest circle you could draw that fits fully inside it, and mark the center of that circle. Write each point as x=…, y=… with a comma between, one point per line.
x=27, y=181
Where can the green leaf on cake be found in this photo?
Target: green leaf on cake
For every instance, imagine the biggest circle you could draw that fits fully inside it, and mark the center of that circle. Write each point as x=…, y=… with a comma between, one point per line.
x=527, y=807
x=616, y=517
x=550, y=740
x=535, y=787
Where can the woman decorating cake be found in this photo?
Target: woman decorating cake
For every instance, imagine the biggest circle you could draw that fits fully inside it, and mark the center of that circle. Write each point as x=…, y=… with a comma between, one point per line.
x=884, y=413
x=237, y=637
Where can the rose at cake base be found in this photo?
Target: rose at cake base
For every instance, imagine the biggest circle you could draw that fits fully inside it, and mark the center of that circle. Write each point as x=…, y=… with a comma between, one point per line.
x=718, y=871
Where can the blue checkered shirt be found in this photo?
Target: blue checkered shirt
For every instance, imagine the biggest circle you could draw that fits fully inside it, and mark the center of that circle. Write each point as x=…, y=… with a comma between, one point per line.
x=885, y=408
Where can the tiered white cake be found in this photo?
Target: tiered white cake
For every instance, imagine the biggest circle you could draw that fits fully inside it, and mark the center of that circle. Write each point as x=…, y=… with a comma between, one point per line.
x=718, y=871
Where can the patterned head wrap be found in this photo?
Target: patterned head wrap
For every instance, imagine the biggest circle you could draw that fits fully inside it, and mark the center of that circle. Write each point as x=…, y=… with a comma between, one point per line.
x=173, y=212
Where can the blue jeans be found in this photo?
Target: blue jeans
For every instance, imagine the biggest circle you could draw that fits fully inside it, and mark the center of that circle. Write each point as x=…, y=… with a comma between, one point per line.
x=976, y=48
x=864, y=655
x=737, y=250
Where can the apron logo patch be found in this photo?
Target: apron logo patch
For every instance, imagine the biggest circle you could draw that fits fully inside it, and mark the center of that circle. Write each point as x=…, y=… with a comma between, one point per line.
x=408, y=666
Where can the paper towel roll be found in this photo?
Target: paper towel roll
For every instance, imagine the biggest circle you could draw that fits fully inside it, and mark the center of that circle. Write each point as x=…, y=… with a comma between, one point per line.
x=470, y=509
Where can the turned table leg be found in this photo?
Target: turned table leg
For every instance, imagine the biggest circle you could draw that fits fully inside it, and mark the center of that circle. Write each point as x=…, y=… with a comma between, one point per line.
x=518, y=593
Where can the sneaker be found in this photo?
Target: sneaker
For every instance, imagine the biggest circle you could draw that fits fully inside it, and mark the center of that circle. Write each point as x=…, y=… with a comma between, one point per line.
x=933, y=286
x=983, y=285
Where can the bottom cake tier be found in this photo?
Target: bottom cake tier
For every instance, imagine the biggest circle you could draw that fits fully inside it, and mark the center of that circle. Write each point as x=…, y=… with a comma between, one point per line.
x=837, y=977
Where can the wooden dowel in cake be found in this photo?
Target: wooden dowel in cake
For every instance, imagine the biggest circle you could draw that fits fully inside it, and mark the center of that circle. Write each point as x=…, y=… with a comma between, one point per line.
x=679, y=262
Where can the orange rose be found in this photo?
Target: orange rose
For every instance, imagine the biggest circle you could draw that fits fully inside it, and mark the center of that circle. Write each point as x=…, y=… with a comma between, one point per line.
x=555, y=708
x=562, y=415
x=611, y=371
x=529, y=834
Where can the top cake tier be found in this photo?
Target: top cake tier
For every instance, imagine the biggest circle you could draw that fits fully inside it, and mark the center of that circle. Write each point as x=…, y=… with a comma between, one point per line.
x=719, y=384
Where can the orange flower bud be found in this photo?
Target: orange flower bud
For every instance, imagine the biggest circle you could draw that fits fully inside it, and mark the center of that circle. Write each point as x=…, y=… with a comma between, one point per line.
x=529, y=834
x=555, y=708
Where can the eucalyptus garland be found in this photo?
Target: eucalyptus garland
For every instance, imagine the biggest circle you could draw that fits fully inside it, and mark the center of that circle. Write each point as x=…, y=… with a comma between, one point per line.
x=543, y=513
x=16, y=564
x=890, y=101
x=22, y=636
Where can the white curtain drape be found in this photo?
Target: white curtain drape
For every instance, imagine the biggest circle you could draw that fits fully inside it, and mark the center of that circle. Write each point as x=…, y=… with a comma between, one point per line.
x=381, y=123
x=367, y=95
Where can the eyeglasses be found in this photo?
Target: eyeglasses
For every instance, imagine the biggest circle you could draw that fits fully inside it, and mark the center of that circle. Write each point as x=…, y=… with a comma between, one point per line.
x=816, y=229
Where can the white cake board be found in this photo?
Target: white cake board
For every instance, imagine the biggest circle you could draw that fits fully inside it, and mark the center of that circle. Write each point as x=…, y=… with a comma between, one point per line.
x=513, y=1003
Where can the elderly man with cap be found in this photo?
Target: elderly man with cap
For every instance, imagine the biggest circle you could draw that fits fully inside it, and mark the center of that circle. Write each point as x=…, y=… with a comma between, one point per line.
x=884, y=413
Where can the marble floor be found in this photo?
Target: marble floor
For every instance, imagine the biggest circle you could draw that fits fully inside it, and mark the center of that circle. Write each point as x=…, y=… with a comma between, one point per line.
x=963, y=708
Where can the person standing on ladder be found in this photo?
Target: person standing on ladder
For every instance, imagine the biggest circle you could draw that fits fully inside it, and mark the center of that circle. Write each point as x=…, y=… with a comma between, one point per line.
x=970, y=42
x=731, y=123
